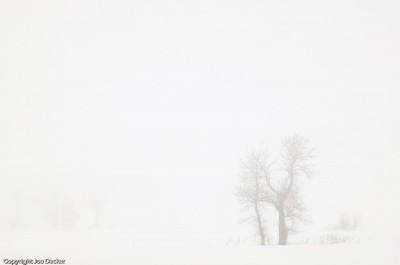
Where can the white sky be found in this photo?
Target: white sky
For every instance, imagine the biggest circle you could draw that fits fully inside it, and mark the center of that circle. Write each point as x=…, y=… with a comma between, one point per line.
x=155, y=102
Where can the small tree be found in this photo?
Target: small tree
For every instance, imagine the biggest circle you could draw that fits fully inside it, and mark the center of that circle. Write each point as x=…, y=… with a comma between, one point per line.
x=252, y=188
x=98, y=201
x=283, y=190
x=356, y=222
x=60, y=211
x=67, y=214
x=346, y=222
x=97, y=205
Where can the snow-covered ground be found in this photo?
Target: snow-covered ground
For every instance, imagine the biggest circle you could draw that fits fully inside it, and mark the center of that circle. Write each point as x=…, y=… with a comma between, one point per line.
x=308, y=254
x=110, y=247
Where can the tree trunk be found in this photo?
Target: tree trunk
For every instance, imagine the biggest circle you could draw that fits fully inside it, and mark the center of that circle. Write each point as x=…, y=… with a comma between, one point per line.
x=260, y=227
x=282, y=226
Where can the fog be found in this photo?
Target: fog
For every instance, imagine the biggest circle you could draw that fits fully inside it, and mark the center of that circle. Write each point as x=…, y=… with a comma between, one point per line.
x=133, y=116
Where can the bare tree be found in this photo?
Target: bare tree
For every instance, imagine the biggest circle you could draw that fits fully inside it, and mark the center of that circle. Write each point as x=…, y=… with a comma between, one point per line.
x=68, y=214
x=252, y=187
x=283, y=190
x=59, y=211
x=51, y=210
x=97, y=205
x=346, y=222
x=356, y=222
x=98, y=201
